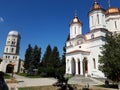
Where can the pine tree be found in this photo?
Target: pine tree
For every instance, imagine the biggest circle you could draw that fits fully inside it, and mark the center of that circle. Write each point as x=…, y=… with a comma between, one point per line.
x=46, y=56
x=37, y=56
x=27, y=57
x=54, y=58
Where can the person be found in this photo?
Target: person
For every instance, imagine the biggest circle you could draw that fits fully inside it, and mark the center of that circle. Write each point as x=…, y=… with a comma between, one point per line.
x=3, y=85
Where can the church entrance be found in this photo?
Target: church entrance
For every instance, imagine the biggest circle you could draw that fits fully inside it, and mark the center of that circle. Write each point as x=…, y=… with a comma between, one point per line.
x=85, y=66
x=73, y=68
x=9, y=68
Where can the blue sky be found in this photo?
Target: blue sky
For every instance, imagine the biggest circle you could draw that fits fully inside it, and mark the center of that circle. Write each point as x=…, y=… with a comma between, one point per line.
x=43, y=22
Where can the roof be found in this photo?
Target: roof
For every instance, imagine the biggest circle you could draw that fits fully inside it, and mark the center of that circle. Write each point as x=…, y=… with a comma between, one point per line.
x=112, y=10
x=15, y=33
x=75, y=20
x=96, y=6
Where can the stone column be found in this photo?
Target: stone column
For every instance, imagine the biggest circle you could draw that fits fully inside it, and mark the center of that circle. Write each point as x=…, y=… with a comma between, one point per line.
x=76, y=62
x=81, y=67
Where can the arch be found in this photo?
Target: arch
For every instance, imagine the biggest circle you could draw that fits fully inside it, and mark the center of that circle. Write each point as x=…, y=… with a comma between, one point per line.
x=73, y=66
x=9, y=68
x=85, y=66
x=78, y=66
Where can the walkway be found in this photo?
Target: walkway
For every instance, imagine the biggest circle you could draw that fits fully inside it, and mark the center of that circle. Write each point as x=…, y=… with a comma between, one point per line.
x=26, y=82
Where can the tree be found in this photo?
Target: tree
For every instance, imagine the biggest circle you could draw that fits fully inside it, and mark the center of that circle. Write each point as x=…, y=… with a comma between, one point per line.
x=110, y=58
x=27, y=57
x=54, y=58
x=36, y=56
x=46, y=56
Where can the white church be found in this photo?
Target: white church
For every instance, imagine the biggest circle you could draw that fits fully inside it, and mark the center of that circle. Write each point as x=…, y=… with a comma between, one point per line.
x=11, y=60
x=82, y=51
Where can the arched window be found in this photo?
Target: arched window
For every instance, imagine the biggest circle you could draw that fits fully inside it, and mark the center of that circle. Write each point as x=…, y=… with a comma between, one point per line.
x=75, y=29
x=94, y=63
x=12, y=49
x=6, y=49
x=98, y=18
x=115, y=24
x=92, y=19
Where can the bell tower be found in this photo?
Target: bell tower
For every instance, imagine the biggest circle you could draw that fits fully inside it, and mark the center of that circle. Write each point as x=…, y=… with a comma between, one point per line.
x=75, y=27
x=96, y=16
x=11, y=52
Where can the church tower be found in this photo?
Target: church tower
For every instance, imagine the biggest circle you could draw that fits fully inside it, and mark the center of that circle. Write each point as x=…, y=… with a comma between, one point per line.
x=75, y=27
x=11, y=52
x=112, y=15
x=96, y=17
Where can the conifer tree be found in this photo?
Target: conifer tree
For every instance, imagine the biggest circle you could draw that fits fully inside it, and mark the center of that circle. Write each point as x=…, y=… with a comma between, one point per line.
x=54, y=58
x=46, y=56
x=27, y=57
x=36, y=56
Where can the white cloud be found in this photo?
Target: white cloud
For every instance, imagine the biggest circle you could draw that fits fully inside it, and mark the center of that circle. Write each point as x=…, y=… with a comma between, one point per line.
x=1, y=19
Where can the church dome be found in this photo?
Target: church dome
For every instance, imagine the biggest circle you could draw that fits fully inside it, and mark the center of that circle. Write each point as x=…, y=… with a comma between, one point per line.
x=96, y=6
x=75, y=20
x=112, y=10
x=15, y=33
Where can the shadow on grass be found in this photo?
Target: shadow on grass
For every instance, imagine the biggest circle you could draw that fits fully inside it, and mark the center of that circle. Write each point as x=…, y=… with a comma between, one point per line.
x=114, y=86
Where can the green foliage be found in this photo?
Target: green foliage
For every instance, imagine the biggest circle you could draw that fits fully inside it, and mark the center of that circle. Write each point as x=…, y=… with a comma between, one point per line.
x=110, y=58
x=27, y=57
x=36, y=56
x=32, y=59
x=46, y=57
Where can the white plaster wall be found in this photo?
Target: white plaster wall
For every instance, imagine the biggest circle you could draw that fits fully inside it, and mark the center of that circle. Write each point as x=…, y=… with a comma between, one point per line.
x=94, y=53
x=78, y=30
x=93, y=20
x=110, y=23
x=96, y=34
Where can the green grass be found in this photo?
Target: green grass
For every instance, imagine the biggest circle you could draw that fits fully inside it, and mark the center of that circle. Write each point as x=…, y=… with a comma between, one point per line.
x=25, y=75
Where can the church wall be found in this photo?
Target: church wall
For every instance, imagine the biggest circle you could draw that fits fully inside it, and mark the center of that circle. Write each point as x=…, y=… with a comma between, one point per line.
x=94, y=34
x=94, y=55
x=112, y=23
x=97, y=19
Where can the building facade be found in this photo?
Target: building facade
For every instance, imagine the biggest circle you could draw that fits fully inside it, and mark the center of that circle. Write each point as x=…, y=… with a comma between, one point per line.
x=11, y=58
x=82, y=51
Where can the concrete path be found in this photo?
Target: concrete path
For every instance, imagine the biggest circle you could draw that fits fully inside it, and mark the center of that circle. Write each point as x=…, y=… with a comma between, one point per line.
x=26, y=82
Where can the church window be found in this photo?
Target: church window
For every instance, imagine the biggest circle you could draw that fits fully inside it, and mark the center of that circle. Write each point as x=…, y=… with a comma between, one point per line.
x=12, y=49
x=6, y=49
x=94, y=63
x=75, y=29
x=92, y=20
x=115, y=24
x=6, y=56
x=98, y=18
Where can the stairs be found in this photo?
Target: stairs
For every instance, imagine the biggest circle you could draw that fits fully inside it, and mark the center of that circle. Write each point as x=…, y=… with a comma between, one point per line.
x=84, y=80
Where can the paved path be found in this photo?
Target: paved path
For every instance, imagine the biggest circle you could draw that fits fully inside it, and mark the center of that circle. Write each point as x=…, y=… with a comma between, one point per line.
x=26, y=82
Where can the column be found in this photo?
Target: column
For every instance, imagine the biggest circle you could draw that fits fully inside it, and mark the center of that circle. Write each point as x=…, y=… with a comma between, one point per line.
x=81, y=67
x=76, y=62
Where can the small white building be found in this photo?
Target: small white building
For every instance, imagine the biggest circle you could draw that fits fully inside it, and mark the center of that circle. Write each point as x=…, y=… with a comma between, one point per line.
x=82, y=51
x=11, y=58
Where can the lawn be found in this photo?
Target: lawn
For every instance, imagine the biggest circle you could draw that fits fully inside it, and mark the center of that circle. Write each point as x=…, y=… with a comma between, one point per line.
x=25, y=75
